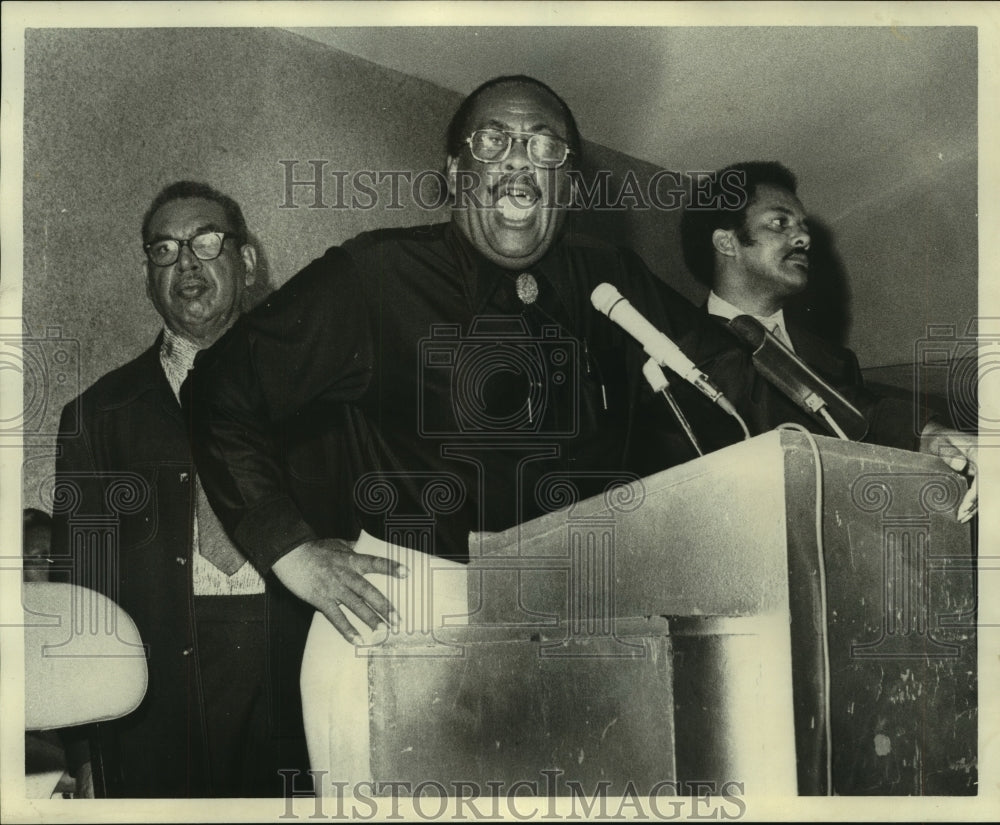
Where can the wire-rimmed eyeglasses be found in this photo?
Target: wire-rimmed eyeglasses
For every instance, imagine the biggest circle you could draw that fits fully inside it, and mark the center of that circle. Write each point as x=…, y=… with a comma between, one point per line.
x=206, y=246
x=493, y=145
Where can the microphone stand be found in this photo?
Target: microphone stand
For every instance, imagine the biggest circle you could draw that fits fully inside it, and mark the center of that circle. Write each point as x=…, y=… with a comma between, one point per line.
x=658, y=381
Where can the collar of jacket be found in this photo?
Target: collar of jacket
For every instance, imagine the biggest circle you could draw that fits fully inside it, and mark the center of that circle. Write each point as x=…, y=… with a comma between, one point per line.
x=140, y=377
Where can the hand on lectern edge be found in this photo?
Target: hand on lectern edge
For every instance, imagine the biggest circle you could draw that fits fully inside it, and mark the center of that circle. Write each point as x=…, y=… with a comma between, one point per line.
x=960, y=451
x=328, y=574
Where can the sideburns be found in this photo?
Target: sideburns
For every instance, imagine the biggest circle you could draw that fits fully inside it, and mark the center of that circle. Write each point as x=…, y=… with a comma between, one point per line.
x=743, y=236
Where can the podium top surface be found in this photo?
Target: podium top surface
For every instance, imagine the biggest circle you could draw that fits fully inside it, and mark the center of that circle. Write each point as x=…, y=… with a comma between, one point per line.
x=744, y=460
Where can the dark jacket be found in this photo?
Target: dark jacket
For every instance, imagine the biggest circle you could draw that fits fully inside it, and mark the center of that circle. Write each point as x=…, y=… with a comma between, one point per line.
x=123, y=526
x=410, y=355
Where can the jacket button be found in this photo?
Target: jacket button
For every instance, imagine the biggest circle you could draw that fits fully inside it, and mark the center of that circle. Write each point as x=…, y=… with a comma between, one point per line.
x=181, y=560
x=184, y=478
x=187, y=651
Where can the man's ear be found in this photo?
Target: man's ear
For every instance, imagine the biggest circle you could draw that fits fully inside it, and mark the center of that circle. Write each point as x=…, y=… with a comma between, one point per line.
x=249, y=255
x=724, y=241
x=146, y=277
x=452, y=172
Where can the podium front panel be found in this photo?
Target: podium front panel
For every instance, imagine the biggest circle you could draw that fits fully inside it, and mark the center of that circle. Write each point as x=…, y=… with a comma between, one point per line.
x=706, y=538
x=900, y=621
x=523, y=714
x=712, y=571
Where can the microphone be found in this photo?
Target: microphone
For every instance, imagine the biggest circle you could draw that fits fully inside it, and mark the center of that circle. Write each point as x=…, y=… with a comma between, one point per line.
x=786, y=371
x=657, y=346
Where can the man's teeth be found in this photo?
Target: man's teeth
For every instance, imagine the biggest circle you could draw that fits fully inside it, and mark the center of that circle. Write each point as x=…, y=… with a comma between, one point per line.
x=515, y=200
x=513, y=208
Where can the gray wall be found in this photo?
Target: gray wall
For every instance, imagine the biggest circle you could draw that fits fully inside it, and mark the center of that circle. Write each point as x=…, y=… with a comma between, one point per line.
x=113, y=115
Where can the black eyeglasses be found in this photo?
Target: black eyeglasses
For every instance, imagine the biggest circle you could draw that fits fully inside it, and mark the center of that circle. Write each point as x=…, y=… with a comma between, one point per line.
x=493, y=145
x=206, y=246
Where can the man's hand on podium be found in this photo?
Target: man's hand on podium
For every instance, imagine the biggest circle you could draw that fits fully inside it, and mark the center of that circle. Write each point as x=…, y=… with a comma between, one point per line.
x=961, y=452
x=328, y=574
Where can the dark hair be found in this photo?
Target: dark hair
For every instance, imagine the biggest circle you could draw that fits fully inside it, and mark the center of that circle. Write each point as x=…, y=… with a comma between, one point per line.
x=730, y=192
x=458, y=128
x=193, y=189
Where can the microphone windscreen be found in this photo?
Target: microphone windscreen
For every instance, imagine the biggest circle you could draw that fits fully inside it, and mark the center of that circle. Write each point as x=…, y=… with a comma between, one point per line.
x=749, y=329
x=604, y=297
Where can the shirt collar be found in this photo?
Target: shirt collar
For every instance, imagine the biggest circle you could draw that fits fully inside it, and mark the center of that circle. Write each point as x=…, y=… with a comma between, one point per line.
x=176, y=357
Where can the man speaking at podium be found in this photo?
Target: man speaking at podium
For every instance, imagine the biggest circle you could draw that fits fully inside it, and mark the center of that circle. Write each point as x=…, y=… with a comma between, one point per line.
x=449, y=371
x=755, y=256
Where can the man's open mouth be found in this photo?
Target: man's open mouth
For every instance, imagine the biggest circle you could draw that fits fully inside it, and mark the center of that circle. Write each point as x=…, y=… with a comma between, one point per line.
x=516, y=197
x=192, y=289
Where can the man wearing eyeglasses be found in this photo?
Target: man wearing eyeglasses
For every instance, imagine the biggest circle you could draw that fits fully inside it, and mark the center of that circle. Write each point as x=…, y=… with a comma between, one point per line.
x=472, y=370
x=213, y=722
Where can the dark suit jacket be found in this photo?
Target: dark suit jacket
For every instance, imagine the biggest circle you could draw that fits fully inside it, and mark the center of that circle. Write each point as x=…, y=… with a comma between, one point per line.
x=125, y=486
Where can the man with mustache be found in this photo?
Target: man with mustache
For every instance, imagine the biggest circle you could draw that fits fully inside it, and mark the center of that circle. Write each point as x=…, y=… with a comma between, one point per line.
x=467, y=364
x=222, y=712
x=754, y=253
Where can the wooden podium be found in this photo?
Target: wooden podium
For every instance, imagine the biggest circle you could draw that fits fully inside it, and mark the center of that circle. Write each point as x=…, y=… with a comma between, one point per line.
x=686, y=630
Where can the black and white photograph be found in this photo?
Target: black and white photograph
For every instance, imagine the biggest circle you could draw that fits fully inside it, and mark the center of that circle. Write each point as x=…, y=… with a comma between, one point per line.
x=466, y=411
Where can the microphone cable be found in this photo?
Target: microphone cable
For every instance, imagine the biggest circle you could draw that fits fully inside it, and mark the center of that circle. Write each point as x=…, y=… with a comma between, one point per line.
x=741, y=422
x=824, y=631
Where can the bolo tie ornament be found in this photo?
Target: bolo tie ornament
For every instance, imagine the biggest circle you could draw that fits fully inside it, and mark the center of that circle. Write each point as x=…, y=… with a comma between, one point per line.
x=527, y=288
